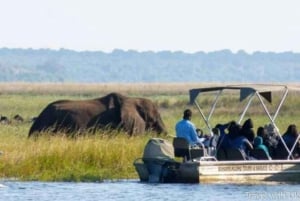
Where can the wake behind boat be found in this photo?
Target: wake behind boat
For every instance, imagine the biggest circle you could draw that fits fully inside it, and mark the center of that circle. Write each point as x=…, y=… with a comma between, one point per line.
x=203, y=165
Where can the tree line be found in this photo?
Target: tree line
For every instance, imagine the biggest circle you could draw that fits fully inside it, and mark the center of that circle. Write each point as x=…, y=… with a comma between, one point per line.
x=46, y=65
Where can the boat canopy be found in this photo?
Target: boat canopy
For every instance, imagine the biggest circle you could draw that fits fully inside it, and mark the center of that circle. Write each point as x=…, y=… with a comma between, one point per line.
x=246, y=91
x=260, y=90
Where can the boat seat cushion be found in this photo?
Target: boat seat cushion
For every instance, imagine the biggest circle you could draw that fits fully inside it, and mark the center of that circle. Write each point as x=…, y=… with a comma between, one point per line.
x=183, y=149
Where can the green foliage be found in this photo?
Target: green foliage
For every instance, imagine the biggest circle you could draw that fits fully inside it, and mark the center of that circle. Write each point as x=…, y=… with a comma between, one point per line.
x=90, y=158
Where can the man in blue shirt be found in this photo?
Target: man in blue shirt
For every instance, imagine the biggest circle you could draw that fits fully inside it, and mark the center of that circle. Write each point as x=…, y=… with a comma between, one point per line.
x=186, y=129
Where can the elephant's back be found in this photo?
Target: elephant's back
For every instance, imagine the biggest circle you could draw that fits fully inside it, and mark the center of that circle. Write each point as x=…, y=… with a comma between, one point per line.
x=66, y=113
x=78, y=106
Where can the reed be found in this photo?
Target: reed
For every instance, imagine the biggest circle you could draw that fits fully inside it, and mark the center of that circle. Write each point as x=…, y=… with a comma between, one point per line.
x=104, y=155
x=92, y=158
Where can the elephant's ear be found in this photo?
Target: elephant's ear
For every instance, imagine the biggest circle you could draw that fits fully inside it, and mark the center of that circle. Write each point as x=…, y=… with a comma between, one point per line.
x=131, y=121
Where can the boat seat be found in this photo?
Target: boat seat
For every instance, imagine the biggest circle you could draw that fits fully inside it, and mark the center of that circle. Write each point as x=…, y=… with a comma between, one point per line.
x=234, y=154
x=259, y=154
x=183, y=149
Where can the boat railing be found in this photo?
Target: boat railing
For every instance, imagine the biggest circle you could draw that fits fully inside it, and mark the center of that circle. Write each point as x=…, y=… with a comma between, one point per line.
x=208, y=158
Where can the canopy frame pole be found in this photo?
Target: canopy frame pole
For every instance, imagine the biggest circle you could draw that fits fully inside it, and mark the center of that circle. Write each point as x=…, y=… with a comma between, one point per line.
x=214, y=104
x=203, y=116
x=212, y=109
x=294, y=146
x=246, y=108
x=275, y=126
x=281, y=102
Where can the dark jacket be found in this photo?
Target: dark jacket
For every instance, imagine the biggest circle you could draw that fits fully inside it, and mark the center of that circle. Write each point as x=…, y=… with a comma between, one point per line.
x=258, y=144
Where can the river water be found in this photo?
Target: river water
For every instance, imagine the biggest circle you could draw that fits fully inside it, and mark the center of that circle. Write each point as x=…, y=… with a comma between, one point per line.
x=135, y=190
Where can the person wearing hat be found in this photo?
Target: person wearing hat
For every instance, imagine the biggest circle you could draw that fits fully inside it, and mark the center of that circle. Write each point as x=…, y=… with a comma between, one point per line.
x=186, y=129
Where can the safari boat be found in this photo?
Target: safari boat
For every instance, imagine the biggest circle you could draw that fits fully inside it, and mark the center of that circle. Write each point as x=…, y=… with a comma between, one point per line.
x=158, y=163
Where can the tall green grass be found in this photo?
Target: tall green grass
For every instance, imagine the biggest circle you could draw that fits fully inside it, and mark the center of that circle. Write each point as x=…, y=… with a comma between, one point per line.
x=93, y=158
x=104, y=155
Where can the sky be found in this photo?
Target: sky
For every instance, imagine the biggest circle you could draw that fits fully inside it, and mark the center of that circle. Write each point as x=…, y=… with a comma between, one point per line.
x=151, y=25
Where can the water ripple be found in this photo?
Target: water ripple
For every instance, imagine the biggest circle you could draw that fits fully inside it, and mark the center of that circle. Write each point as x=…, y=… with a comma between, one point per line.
x=136, y=191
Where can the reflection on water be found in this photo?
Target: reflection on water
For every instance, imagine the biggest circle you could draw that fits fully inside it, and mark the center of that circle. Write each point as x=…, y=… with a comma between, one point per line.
x=135, y=190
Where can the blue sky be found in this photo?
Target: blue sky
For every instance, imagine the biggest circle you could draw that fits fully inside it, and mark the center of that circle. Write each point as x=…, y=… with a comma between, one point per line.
x=156, y=25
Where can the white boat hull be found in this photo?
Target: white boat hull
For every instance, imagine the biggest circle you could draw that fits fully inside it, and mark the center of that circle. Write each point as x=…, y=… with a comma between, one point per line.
x=241, y=171
x=224, y=172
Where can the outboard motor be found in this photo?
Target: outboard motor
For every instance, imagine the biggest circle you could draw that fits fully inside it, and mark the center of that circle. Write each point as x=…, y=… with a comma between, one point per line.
x=158, y=162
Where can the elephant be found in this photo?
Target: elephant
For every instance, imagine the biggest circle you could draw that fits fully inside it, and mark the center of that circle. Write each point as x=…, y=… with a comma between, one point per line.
x=133, y=115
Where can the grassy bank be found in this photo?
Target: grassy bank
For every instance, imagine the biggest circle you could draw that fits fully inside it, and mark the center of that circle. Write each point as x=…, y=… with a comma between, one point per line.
x=102, y=156
x=63, y=159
